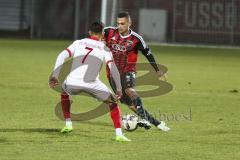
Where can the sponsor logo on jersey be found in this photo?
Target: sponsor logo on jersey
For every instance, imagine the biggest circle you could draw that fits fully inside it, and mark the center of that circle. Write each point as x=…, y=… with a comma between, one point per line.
x=121, y=47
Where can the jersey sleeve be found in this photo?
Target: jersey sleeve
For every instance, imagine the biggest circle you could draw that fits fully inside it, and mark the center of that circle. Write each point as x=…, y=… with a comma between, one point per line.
x=71, y=49
x=68, y=52
x=146, y=51
x=143, y=47
x=107, y=55
x=113, y=69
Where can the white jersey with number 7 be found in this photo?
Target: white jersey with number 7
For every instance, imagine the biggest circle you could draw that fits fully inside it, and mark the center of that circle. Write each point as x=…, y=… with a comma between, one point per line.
x=88, y=57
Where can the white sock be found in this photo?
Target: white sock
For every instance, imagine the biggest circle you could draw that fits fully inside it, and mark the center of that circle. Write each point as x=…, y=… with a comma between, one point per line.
x=68, y=122
x=118, y=131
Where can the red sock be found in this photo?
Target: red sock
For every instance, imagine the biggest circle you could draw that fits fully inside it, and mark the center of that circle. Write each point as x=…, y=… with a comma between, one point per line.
x=115, y=115
x=65, y=105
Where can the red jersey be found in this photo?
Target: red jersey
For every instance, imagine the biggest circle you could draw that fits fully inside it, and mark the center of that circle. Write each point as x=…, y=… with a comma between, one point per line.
x=125, y=48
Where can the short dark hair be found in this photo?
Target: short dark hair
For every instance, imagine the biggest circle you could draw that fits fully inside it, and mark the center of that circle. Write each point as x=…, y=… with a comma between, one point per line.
x=123, y=15
x=96, y=27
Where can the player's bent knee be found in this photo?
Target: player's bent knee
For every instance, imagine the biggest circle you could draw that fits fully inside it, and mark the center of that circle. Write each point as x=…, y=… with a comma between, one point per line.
x=130, y=92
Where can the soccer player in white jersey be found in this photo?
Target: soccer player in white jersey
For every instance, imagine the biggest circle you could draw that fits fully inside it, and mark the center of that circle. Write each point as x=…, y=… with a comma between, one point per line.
x=88, y=56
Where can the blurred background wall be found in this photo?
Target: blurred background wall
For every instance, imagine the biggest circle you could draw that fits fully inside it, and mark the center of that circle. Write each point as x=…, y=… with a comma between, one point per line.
x=172, y=21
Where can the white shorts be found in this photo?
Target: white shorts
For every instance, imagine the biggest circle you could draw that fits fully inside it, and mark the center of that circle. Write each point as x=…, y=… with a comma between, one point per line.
x=95, y=88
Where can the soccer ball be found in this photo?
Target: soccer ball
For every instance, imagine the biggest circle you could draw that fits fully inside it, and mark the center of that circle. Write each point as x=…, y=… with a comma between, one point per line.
x=130, y=122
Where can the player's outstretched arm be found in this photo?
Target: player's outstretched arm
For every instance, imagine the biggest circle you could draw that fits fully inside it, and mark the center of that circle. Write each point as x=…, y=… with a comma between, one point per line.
x=116, y=77
x=53, y=80
x=147, y=53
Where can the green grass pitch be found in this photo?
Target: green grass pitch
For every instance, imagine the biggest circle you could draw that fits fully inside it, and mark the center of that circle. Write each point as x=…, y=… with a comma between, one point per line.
x=205, y=82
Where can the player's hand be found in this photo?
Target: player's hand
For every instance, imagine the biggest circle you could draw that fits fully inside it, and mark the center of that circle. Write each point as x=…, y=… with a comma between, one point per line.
x=53, y=82
x=162, y=76
x=118, y=94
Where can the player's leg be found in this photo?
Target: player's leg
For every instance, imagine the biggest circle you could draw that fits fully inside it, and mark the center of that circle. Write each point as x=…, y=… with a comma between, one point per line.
x=101, y=92
x=65, y=102
x=126, y=100
x=129, y=84
x=67, y=88
x=115, y=114
x=143, y=113
x=132, y=107
x=131, y=98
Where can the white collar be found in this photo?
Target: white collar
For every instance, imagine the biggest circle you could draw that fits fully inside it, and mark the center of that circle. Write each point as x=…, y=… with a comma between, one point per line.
x=126, y=35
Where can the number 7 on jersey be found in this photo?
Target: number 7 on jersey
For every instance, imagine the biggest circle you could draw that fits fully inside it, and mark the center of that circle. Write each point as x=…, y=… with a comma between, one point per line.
x=89, y=51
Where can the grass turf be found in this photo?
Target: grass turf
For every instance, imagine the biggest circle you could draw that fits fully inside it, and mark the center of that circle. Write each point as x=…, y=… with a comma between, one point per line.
x=205, y=81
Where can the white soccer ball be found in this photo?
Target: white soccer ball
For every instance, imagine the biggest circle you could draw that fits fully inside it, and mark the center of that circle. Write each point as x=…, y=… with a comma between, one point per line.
x=130, y=122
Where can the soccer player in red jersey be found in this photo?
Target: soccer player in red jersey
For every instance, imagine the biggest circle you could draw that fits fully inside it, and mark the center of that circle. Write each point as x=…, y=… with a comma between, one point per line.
x=125, y=44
